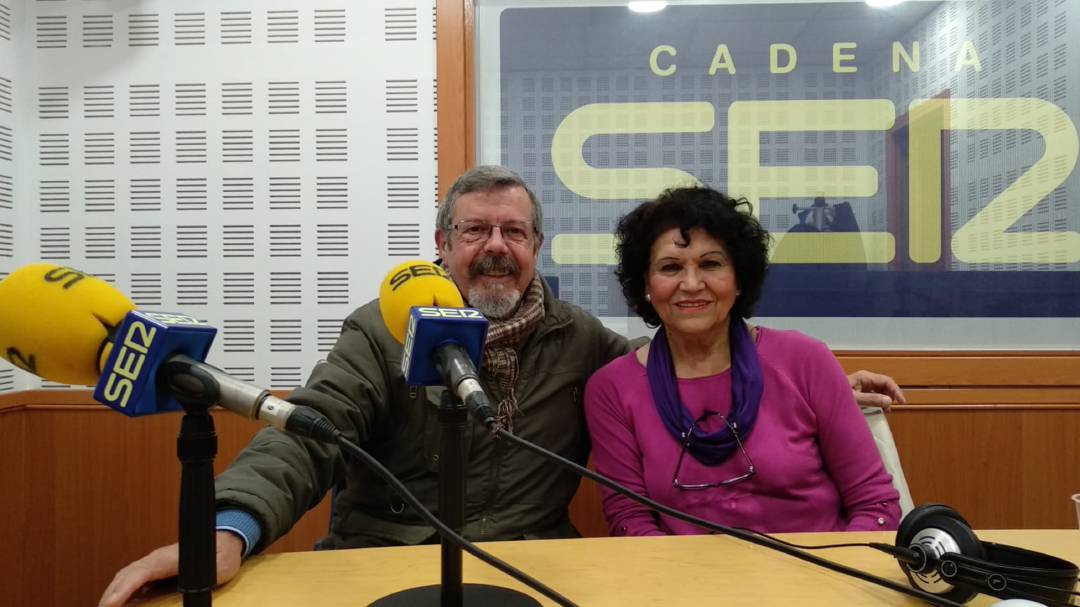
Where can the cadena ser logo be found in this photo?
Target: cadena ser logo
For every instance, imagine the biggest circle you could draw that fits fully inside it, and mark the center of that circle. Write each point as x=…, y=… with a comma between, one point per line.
x=128, y=364
x=449, y=313
x=415, y=271
x=929, y=120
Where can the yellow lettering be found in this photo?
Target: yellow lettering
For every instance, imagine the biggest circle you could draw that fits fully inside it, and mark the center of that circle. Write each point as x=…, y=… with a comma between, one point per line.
x=926, y=122
x=899, y=52
x=630, y=118
x=985, y=237
x=747, y=120
x=118, y=392
x=839, y=55
x=128, y=363
x=147, y=336
x=774, y=58
x=968, y=57
x=617, y=184
x=722, y=61
x=654, y=63
x=584, y=249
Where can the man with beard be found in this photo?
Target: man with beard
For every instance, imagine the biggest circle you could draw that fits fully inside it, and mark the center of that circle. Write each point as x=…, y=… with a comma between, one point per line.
x=538, y=355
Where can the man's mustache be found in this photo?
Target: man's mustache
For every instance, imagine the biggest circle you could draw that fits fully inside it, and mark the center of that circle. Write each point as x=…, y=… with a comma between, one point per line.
x=492, y=264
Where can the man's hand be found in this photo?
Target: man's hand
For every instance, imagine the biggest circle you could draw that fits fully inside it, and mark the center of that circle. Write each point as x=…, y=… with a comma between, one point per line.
x=164, y=563
x=875, y=390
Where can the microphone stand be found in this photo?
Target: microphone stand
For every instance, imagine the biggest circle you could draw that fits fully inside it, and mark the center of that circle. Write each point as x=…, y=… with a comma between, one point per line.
x=196, y=447
x=451, y=592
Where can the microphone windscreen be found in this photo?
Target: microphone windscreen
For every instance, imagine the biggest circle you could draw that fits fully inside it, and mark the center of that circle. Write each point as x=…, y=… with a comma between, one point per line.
x=415, y=283
x=55, y=322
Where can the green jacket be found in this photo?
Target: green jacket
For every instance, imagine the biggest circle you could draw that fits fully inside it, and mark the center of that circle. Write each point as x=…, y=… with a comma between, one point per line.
x=510, y=493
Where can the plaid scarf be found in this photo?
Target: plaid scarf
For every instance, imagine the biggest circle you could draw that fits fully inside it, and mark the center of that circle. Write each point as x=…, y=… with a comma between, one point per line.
x=504, y=338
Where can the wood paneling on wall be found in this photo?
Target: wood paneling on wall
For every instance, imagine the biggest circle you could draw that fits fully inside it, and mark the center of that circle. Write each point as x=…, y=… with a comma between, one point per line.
x=14, y=503
x=454, y=84
x=948, y=370
x=86, y=491
x=1013, y=467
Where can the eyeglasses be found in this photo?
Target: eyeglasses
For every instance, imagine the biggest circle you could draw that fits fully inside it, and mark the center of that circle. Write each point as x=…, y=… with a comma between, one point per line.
x=688, y=436
x=517, y=232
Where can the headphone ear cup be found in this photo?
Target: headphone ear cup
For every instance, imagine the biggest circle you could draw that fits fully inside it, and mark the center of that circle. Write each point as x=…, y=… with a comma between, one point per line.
x=938, y=528
x=916, y=519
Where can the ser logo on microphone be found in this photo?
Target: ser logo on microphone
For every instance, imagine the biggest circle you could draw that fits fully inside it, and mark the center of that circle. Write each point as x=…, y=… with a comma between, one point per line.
x=431, y=327
x=69, y=276
x=415, y=271
x=128, y=363
x=144, y=340
x=406, y=353
x=449, y=313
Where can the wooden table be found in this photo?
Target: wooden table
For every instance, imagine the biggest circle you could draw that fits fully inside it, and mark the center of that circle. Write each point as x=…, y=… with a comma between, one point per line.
x=597, y=572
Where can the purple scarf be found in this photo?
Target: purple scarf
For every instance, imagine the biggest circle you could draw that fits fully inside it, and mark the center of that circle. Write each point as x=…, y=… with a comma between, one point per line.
x=746, y=386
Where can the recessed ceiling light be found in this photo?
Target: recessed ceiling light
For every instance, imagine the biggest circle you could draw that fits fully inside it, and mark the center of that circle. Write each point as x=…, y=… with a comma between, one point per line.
x=647, y=6
x=883, y=3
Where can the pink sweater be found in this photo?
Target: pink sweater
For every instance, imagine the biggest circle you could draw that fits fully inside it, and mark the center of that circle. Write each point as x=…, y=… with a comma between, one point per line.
x=817, y=466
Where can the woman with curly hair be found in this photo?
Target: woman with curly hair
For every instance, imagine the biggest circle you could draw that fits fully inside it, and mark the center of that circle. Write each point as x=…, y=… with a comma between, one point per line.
x=745, y=426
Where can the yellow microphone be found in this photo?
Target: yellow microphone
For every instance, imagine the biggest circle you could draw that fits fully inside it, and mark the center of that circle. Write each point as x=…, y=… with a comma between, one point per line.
x=411, y=284
x=55, y=322
x=443, y=341
x=59, y=323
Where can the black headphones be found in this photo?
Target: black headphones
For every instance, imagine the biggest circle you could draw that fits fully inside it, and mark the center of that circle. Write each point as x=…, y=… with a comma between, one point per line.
x=942, y=555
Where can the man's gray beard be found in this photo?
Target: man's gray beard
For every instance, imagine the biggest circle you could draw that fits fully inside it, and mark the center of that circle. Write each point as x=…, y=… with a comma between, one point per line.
x=495, y=303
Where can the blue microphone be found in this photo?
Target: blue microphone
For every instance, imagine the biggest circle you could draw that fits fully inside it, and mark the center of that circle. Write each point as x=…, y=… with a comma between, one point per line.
x=442, y=348
x=432, y=327
x=155, y=365
x=141, y=344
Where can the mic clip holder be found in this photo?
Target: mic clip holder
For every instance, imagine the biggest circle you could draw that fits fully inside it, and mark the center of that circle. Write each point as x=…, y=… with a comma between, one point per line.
x=196, y=447
x=451, y=592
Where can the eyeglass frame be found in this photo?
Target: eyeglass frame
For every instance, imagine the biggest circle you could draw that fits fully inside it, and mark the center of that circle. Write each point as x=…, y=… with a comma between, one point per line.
x=530, y=230
x=688, y=436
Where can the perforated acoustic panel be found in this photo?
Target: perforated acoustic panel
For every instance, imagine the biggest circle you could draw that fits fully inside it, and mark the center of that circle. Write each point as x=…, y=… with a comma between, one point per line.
x=1024, y=49
x=258, y=165
x=9, y=378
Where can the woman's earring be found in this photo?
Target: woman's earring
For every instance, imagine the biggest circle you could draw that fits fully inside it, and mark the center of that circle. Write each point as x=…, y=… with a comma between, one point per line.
x=648, y=297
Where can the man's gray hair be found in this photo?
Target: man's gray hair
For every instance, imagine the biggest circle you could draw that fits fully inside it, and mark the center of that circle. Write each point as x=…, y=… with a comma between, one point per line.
x=482, y=179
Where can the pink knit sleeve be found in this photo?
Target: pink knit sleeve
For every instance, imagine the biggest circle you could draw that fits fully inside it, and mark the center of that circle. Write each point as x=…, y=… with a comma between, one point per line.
x=616, y=454
x=847, y=447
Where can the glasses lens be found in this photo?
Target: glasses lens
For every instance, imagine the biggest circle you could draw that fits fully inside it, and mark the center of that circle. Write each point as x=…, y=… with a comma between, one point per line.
x=476, y=231
x=473, y=231
x=688, y=438
x=515, y=232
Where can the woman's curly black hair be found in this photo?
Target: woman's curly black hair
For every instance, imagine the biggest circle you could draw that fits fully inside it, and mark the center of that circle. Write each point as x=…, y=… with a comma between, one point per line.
x=728, y=220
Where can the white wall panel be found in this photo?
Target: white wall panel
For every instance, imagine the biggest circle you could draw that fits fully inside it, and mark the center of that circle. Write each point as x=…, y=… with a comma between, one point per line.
x=259, y=165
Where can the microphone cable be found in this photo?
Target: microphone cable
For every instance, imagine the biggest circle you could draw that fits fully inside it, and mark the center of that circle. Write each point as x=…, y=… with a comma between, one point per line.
x=445, y=531
x=754, y=538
